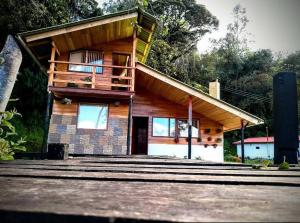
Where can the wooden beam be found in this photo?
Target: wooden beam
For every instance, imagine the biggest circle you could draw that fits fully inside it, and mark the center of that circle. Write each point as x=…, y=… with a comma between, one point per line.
x=55, y=47
x=38, y=43
x=74, y=28
x=51, y=70
x=133, y=59
x=89, y=92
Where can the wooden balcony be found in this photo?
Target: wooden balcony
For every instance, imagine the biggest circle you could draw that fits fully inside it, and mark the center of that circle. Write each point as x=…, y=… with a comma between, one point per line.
x=90, y=83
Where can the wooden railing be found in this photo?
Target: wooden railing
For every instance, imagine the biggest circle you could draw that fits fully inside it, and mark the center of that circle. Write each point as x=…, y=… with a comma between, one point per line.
x=95, y=80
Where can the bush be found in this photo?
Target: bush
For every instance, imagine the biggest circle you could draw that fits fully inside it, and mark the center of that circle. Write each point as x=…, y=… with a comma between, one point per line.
x=231, y=158
x=9, y=144
x=283, y=166
x=266, y=163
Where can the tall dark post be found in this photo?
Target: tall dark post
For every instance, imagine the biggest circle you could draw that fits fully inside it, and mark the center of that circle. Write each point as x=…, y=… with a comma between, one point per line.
x=190, y=128
x=242, y=141
x=46, y=125
x=285, y=109
x=243, y=126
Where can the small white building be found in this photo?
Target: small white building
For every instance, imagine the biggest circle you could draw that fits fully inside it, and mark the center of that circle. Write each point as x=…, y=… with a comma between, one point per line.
x=258, y=147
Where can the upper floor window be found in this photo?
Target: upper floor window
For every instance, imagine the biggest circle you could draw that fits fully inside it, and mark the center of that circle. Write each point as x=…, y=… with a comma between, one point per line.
x=92, y=116
x=88, y=57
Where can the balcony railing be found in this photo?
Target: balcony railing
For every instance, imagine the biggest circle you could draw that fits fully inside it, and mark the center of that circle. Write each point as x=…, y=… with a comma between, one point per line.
x=92, y=79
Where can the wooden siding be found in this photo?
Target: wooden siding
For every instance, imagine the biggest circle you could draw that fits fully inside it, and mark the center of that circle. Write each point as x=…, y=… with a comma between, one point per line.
x=120, y=111
x=146, y=104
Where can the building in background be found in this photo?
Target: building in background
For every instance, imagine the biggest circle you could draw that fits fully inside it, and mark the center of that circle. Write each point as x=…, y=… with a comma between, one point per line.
x=258, y=147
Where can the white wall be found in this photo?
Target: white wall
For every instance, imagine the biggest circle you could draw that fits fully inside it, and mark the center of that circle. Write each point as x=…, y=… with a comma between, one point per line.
x=208, y=154
x=265, y=151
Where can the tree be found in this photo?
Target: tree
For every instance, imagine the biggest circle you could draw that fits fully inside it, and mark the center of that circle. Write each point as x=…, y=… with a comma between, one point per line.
x=24, y=15
x=182, y=23
x=10, y=61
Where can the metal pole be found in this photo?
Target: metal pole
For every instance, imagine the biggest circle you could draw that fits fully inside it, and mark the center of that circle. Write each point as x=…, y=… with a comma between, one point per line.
x=190, y=128
x=242, y=141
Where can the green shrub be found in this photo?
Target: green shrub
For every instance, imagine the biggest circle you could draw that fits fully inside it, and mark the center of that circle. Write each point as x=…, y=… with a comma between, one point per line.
x=283, y=166
x=9, y=144
x=266, y=163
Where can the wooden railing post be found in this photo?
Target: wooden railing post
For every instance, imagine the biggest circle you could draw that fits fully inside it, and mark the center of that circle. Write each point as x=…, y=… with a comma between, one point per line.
x=94, y=77
x=52, y=66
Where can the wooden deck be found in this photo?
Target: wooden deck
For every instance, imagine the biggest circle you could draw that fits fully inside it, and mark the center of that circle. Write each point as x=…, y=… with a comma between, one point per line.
x=142, y=190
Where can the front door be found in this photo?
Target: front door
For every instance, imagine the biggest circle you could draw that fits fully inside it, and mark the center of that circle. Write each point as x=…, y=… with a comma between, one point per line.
x=139, y=135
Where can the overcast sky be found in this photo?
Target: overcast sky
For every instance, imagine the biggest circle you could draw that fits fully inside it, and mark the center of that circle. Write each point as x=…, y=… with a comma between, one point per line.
x=274, y=24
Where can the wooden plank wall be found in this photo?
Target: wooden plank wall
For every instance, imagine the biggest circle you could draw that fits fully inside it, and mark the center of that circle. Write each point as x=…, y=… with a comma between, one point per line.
x=120, y=111
x=117, y=46
x=146, y=104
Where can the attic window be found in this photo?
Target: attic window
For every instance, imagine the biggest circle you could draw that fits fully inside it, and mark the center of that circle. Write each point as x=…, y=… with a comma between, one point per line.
x=88, y=57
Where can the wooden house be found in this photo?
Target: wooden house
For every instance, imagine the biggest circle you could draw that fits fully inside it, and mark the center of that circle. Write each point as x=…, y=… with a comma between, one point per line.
x=108, y=101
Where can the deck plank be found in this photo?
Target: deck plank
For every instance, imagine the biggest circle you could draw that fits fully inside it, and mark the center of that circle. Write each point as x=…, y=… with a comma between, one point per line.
x=91, y=190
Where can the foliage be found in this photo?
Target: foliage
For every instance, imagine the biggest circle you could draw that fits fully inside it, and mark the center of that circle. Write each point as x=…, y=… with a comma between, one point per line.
x=9, y=145
x=231, y=158
x=23, y=15
x=283, y=166
x=182, y=23
x=266, y=163
x=31, y=87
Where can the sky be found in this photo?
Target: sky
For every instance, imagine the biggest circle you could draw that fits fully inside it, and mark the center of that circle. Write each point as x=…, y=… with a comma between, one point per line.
x=273, y=24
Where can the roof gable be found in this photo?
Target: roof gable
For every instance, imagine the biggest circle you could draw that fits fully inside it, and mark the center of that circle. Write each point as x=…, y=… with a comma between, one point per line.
x=224, y=113
x=89, y=32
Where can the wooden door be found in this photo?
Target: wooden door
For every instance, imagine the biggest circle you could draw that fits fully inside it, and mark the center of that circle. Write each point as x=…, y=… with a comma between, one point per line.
x=140, y=135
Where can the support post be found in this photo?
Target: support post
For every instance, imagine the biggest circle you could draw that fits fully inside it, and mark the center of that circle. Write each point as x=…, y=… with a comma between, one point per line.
x=94, y=77
x=51, y=71
x=46, y=125
x=190, y=128
x=133, y=59
x=242, y=141
x=129, y=126
x=243, y=126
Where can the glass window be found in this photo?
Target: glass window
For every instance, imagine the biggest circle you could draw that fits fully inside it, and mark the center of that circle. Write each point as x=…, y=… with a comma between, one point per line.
x=183, y=128
x=160, y=126
x=92, y=116
x=89, y=57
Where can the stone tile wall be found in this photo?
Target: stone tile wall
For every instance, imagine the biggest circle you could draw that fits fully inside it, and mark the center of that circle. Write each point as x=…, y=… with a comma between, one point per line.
x=112, y=141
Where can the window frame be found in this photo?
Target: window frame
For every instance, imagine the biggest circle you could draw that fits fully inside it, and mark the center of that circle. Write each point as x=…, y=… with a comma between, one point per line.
x=194, y=119
x=86, y=51
x=176, y=127
x=169, y=136
x=92, y=104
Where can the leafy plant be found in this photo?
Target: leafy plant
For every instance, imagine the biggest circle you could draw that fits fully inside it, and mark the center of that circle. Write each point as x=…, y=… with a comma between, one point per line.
x=266, y=163
x=8, y=142
x=284, y=165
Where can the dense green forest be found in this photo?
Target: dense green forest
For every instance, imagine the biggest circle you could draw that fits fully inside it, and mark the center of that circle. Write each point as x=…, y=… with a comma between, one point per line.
x=245, y=75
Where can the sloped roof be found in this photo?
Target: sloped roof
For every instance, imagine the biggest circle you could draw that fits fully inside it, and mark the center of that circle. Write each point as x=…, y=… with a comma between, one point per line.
x=269, y=139
x=227, y=115
x=84, y=33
